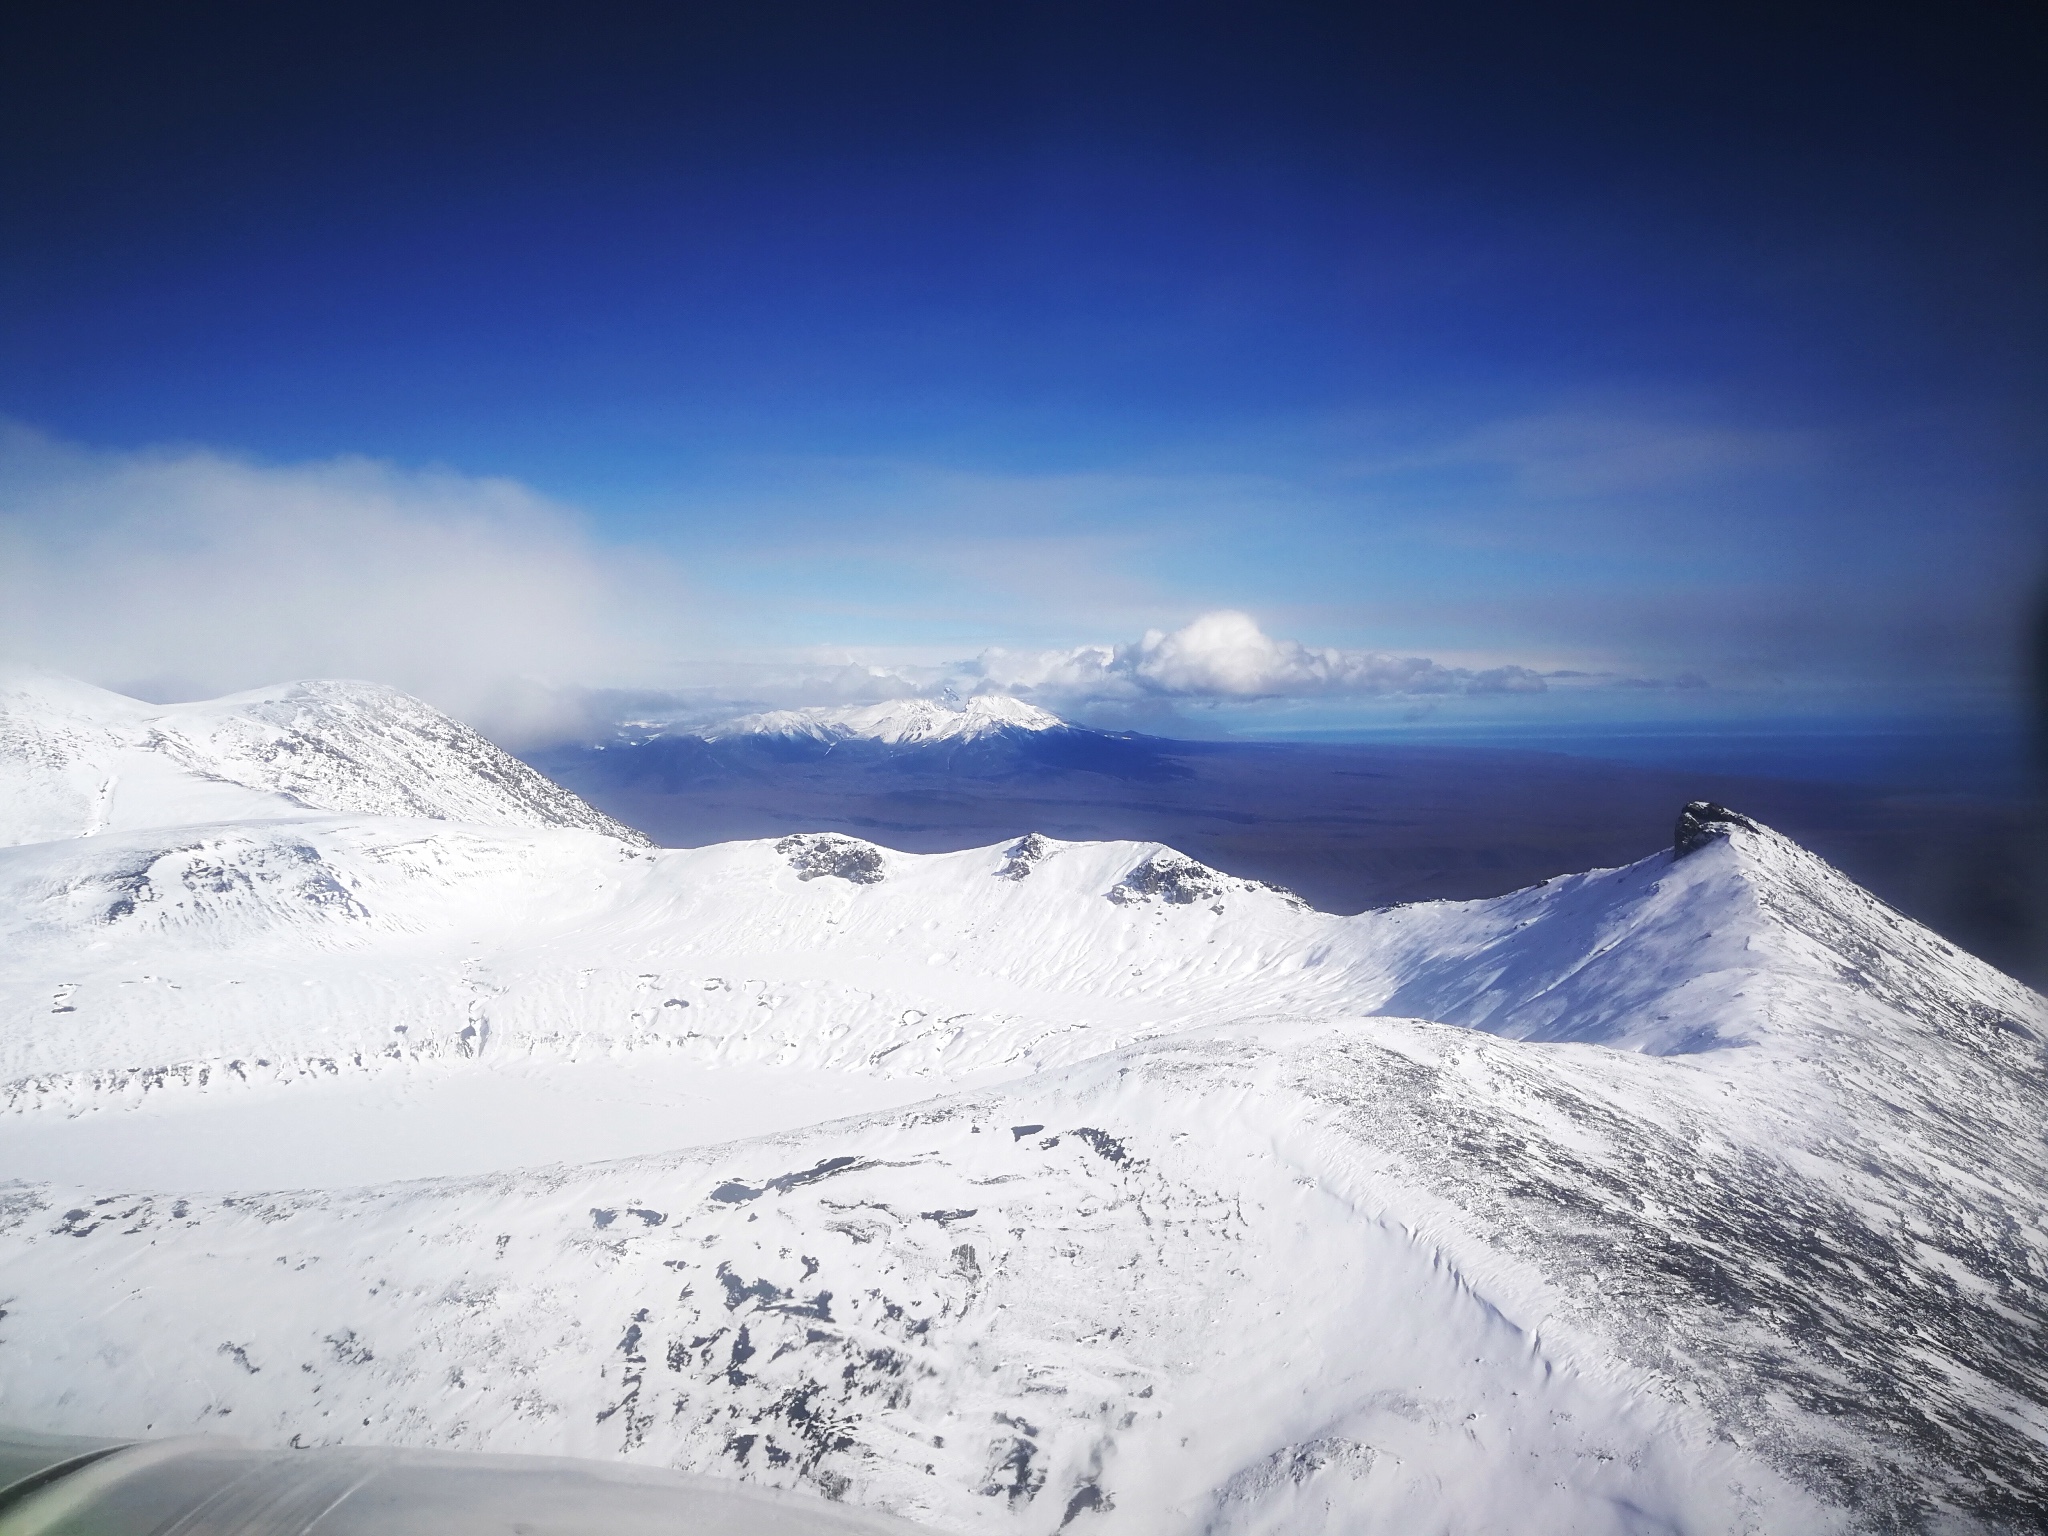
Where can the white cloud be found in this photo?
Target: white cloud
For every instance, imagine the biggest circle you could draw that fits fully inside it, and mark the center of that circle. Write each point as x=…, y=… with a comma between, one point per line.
x=1225, y=655
x=1220, y=657
x=186, y=572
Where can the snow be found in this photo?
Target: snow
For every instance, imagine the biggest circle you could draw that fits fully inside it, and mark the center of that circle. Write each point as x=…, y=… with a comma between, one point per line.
x=77, y=760
x=1036, y=1186
x=435, y=1118
x=899, y=722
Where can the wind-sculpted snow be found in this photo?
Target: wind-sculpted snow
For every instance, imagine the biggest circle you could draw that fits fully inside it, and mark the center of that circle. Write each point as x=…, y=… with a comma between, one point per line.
x=1712, y=1199
x=1376, y=1274
x=459, y=941
x=77, y=760
x=1725, y=946
x=366, y=942
x=1793, y=1261
x=1171, y=1298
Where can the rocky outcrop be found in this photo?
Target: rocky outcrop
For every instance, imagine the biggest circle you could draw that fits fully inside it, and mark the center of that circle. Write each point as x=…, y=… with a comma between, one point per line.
x=1170, y=878
x=1022, y=856
x=816, y=854
x=1701, y=822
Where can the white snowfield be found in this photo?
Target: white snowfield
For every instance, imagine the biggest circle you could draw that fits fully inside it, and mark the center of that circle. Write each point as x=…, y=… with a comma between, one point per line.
x=1033, y=1188
x=898, y=722
x=79, y=760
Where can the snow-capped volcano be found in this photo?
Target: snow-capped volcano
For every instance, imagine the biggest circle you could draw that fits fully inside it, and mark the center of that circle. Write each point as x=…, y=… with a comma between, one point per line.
x=898, y=722
x=1701, y=1194
x=77, y=760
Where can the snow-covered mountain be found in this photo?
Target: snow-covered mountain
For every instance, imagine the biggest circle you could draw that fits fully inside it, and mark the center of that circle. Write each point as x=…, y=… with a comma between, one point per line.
x=1088, y=1187
x=895, y=723
x=918, y=762
x=77, y=760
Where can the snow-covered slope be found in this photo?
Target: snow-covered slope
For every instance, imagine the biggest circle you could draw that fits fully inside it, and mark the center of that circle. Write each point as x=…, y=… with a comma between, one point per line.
x=1703, y=1194
x=77, y=760
x=898, y=722
x=175, y=954
x=1367, y=1275
x=1165, y=1291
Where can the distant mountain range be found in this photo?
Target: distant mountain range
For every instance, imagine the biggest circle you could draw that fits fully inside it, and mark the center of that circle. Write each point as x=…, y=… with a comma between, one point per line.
x=1349, y=826
x=899, y=723
x=988, y=736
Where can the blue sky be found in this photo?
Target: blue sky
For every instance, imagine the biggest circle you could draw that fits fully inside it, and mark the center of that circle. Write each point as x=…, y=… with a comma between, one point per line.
x=1565, y=338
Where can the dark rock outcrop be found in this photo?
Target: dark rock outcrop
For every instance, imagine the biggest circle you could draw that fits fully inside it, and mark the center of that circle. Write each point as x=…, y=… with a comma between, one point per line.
x=816, y=854
x=1171, y=878
x=1023, y=856
x=1701, y=822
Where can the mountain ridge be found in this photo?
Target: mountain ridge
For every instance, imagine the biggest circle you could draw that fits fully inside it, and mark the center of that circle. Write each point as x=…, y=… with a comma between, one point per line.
x=77, y=760
x=1704, y=1192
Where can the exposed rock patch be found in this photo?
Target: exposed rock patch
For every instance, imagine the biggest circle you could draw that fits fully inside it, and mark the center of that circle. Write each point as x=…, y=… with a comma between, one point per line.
x=1022, y=856
x=816, y=854
x=1182, y=882
x=1701, y=822
x=1169, y=878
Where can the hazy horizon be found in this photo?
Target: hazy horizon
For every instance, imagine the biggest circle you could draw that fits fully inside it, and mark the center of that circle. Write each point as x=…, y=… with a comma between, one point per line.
x=1491, y=372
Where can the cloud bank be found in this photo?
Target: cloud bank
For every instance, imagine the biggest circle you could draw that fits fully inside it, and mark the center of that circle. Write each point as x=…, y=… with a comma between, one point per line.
x=1221, y=657
x=1225, y=655
x=186, y=573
